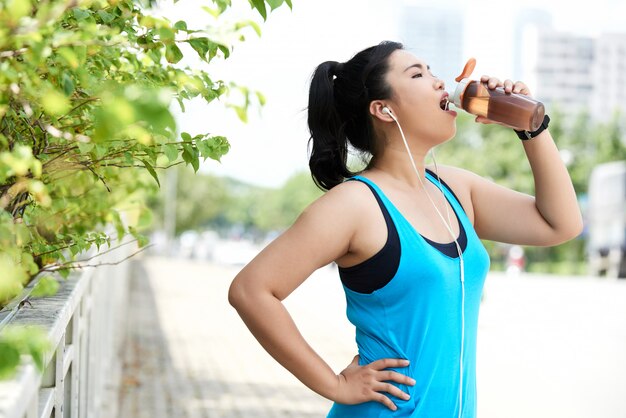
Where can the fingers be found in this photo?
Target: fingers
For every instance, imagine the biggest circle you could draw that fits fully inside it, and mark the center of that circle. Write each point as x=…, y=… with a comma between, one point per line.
x=492, y=82
x=385, y=401
x=521, y=88
x=388, y=363
x=390, y=375
x=509, y=86
x=392, y=390
x=373, y=382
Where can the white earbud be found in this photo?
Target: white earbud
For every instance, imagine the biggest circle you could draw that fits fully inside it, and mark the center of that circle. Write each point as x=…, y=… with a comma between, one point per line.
x=388, y=111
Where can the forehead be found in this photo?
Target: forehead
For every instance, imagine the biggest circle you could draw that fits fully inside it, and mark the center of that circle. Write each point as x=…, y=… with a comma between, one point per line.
x=400, y=60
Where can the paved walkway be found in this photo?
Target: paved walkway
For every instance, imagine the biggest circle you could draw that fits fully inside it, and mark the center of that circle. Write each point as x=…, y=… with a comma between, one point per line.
x=189, y=354
x=548, y=347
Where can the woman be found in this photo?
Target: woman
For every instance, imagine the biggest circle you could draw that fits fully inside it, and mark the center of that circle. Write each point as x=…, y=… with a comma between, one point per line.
x=406, y=242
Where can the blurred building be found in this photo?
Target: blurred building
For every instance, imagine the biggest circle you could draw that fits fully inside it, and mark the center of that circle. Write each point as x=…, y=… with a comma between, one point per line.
x=579, y=72
x=435, y=34
x=609, y=75
x=564, y=70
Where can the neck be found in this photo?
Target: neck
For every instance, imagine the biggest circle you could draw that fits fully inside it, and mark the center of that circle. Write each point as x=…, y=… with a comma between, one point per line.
x=394, y=161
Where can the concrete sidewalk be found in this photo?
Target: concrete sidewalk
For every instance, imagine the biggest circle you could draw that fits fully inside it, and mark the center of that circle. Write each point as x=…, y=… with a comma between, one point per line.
x=190, y=355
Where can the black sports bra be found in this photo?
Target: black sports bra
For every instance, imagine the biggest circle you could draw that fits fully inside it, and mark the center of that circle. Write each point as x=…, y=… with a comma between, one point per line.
x=378, y=270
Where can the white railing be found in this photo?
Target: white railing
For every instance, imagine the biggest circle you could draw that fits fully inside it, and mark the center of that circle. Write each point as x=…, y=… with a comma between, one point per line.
x=84, y=322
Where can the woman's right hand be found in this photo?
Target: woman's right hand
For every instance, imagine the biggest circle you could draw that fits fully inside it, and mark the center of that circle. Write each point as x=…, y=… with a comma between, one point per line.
x=358, y=384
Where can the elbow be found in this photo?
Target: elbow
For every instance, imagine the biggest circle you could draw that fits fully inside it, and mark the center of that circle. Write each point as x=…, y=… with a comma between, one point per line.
x=237, y=294
x=569, y=232
x=576, y=228
x=243, y=293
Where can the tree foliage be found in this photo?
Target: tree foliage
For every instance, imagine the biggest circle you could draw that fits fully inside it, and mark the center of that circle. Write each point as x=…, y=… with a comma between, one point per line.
x=86, y=92
x=205, y=201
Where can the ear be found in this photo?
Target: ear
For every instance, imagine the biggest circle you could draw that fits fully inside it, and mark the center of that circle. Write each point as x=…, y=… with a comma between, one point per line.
x=376, y=110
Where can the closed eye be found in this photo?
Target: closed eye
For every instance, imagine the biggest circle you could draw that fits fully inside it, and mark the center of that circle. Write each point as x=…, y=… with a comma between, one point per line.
x=417, y=75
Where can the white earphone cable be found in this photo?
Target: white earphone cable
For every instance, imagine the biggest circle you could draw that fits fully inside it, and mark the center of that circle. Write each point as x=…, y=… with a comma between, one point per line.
x=448, y=226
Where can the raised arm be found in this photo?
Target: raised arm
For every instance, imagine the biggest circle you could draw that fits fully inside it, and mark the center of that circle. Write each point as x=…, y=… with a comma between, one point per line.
x=323, y=233
x=550, y=217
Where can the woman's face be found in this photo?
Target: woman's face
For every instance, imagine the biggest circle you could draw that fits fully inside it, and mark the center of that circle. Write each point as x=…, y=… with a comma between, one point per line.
x=417, y=100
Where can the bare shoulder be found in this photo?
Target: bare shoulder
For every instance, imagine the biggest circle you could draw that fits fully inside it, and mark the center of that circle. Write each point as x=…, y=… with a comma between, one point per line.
x=339, y=204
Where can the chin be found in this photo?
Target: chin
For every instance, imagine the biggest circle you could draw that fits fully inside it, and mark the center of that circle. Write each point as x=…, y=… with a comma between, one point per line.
x=449, y=134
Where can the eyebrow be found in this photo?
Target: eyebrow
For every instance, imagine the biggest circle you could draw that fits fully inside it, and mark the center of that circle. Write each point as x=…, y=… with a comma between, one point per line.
x=420, y=66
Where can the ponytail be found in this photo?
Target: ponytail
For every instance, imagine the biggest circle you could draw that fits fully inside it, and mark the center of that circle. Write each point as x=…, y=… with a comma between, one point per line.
x=338, y=112
x=329, y=151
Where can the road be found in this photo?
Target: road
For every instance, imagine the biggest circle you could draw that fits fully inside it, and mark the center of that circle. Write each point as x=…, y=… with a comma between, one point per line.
x=548, y=346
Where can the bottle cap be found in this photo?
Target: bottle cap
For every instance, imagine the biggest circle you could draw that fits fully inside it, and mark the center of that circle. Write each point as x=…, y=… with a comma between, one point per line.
x=457, y=96
x=463, y=80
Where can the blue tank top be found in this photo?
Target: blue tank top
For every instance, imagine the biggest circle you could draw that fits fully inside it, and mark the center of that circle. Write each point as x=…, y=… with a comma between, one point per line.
x=417, y=316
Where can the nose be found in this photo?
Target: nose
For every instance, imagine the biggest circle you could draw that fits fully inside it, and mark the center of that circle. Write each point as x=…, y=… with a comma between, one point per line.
x=440, y=84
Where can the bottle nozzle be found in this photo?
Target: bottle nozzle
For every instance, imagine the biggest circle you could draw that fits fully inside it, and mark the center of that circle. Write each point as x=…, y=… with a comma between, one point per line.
x=467, y=70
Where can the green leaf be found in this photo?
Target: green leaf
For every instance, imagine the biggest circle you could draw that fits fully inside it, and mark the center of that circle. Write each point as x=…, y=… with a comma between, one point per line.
x=67, y=84
x=259, y=5
x=201, y=46
x=215, y=147
x=185, y=137
x=252, y=24
x=145, y=219
x=191, y=156
x=81, y=14
x=241, y=111
x=166, y=34
x=119, y=225
x=85, y=147
x=10, y=356
x=142, y=240
x=213, y=12
x=151, y=171
x=47, y=286
x=222, y=4
x=101, y=150
x=106, y=16
x=274, y=4
x=173, y=54
x=288, y=2
x=16, y=341
x=55, y=103
x=181, y=25
x=18, y=8
x=69, y=56
x=170, y=151
x=225, y=50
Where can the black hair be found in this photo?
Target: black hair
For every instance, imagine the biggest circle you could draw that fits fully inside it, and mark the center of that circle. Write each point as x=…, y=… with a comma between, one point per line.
x=338, y=112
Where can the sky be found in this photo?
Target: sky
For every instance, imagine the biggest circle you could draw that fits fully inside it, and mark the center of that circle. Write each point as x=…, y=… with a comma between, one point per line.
x=273, y=144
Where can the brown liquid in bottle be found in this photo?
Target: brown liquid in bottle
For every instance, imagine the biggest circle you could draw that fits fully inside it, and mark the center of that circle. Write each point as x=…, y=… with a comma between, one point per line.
x=515, y=110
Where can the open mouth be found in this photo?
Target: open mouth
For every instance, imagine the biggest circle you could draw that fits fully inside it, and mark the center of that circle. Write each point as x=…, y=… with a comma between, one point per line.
x=444, y=104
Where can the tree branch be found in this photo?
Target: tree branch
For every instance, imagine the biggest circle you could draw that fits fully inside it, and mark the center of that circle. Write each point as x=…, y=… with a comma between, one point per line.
x=91, y=99
x=72, y=265
x=99, y=176
x=10, y=54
